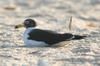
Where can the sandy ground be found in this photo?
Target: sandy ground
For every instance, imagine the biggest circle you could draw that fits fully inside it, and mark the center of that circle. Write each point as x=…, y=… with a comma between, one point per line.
x=52, y=15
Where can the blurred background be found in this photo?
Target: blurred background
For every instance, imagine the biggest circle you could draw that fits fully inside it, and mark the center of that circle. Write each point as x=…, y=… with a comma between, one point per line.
x=53, y=15
x=51, y=10
x=49, y=14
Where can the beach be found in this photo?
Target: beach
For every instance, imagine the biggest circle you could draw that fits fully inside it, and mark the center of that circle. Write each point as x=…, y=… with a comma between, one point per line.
x=50, y=15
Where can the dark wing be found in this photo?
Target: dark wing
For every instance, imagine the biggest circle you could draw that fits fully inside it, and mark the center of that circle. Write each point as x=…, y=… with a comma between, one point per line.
x=47, y=36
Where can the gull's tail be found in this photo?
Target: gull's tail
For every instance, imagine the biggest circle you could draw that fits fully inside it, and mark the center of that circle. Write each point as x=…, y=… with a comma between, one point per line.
x=69, y=36
x=77, y=37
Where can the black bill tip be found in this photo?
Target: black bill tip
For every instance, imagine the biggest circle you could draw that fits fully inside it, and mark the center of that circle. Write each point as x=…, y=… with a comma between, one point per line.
x=16, y=27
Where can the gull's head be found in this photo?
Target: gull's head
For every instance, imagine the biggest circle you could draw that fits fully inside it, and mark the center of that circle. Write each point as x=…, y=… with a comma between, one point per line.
x=27, y=24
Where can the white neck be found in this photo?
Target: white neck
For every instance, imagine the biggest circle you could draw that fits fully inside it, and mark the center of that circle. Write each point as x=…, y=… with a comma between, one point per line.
x=31, y=28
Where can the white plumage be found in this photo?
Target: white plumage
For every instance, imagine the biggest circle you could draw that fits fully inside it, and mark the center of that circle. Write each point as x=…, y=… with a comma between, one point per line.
x=32, y=42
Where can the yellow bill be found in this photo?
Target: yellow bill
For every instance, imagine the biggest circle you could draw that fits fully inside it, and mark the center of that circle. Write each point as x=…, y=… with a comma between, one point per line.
x=18, y=26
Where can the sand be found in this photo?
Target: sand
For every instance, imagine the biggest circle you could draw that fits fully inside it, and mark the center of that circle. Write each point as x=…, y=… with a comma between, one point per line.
x=52, y=15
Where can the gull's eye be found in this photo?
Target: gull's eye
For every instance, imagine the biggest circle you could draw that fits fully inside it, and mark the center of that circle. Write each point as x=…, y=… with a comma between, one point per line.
x=26, y=22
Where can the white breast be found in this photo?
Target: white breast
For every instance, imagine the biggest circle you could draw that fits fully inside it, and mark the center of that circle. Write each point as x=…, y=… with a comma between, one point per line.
x=32, y=42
